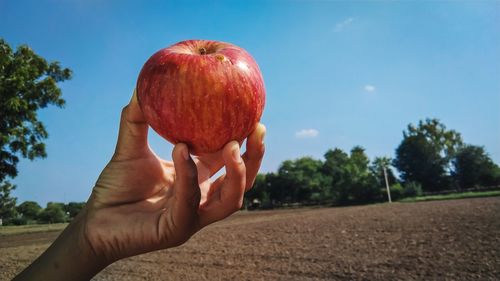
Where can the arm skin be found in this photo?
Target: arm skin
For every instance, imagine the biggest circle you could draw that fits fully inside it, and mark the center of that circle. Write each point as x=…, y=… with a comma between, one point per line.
x=142, y=203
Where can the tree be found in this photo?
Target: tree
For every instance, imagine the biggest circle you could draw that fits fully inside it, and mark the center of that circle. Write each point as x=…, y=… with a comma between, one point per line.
x=335, y=166
x=472, y=166
x=27, y=83
x=73, y=208
x=446, y=142
x=258, y=189
x=259, y=192
x=377, y=169
x=303, y=177
x=363, y=186
x=351, y=179
x=29, y=210
x=277, y=189
x=425, y=154
x=7, y=203
x=53, y=213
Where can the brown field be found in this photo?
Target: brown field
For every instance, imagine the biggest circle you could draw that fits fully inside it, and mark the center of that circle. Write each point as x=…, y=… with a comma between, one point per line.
x=439, y=240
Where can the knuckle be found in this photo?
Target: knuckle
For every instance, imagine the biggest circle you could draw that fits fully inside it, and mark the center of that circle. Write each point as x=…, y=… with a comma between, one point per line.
x=124, y=111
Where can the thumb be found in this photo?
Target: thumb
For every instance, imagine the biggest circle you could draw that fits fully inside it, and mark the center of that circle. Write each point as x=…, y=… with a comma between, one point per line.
x=186, y=188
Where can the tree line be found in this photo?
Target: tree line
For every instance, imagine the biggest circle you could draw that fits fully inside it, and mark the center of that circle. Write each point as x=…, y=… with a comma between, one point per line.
x=30, y=212
x=430, y=158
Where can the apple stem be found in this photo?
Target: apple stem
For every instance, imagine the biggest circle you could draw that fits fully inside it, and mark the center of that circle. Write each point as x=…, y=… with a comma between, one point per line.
x=203, y=51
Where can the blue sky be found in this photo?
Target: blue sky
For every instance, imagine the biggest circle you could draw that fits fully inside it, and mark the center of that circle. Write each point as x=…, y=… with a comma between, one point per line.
x=337, y=74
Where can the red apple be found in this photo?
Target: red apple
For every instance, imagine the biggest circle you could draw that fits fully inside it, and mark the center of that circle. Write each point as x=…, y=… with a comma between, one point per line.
x=202, y=93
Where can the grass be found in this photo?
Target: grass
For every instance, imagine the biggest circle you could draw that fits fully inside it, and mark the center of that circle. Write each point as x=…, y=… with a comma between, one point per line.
x=31, y=228
x=471, y=194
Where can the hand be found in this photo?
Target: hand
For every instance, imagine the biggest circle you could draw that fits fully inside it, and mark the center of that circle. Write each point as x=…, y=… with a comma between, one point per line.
x=142, y=203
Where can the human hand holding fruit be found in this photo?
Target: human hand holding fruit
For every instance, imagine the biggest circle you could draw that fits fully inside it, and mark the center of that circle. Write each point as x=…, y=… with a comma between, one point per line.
x=141, y=202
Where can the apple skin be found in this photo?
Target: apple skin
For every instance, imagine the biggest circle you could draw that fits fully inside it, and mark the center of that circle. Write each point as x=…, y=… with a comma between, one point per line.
x=202, y=93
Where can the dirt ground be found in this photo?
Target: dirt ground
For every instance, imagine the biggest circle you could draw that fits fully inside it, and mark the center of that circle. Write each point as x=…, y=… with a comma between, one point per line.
x=440, y=240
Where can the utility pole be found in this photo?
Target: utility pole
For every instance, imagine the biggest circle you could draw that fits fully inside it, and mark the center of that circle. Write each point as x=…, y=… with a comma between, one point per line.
x=387, y=185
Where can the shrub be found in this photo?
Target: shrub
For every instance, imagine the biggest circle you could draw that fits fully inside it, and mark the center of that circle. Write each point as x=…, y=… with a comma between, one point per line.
x=412, y=189
x=396, y=191
x=19, y=221
x=54, y=213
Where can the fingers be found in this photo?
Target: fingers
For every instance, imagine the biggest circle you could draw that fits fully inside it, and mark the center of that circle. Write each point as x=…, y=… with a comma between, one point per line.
x=254, y=154
x=229, y=196
x=213, y=162
x=133, y=135
x=185, y=169
x=186, y=189
x=208, y=165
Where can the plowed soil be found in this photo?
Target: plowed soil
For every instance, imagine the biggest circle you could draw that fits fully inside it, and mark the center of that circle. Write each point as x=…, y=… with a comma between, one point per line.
x=440, y=240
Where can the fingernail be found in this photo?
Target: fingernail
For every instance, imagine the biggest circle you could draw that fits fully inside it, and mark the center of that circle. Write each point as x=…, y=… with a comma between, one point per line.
x=185, y=153
x=236, y=153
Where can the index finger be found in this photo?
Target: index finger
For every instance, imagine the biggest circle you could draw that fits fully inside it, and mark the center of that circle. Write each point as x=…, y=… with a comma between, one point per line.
x=133, y=136
x=254, y=154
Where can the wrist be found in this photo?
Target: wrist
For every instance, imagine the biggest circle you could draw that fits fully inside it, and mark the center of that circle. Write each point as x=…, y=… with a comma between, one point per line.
x=70, y=257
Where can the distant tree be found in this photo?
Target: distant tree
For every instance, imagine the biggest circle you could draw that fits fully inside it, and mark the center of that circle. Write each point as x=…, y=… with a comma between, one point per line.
x=7, y=203
x=303, y=177
x=27, y=83
x=279, y=191
x=53, y=213
x=73, y=208
x=363, y=185
x=472, y=166
x=377, y=169
x=335, y=167
x=29, y=210
x=258, y=189
x=397, y=191
x=351, y=179
x=412, y=189
x=259, y=192
x=425, y=154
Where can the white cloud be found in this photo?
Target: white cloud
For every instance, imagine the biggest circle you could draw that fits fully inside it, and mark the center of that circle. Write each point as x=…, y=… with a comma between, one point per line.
x=307, y=133
x=341, y=25
x=369, y=88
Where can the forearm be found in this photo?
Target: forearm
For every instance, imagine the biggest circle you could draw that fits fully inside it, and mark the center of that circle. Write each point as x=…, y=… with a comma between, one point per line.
x=70, y=257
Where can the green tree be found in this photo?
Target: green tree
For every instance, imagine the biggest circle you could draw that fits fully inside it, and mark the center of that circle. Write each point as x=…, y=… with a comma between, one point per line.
x=258, y=189
x=29, y=210
x=73, y=208
x=363, y=185
x=277, y=188
x=445, y=141
x=472, y=166
x=7, y=203
x=335, y=167
x=425, y=154
x=303, y=178
x=377, y=169
x=259, y=192
x=412, y=189
x=27, y=83
x=351, y=179
x=53, y=213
